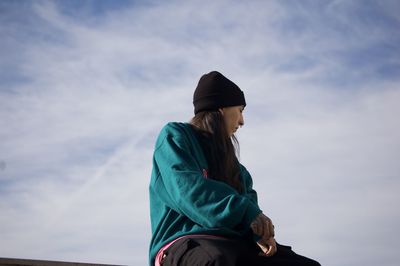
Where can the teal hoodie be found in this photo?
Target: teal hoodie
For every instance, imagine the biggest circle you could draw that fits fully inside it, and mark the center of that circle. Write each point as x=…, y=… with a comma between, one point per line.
x=184, y=201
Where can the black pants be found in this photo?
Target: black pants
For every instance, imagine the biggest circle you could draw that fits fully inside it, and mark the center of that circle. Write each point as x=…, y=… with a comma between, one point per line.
x=228, y=252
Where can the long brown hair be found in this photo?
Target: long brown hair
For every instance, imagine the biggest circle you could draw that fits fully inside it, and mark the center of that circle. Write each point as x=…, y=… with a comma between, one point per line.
x=220, y=149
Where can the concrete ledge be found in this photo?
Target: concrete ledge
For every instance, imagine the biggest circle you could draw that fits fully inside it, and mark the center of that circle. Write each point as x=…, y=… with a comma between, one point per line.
x=26, y=262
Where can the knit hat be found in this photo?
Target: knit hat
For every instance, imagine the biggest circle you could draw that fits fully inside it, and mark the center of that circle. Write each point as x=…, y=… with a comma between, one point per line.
x=215, y=91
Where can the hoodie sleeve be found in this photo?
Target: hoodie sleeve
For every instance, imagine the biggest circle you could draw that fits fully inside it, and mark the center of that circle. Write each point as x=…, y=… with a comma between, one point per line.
x=207, y=202
x=250, y=193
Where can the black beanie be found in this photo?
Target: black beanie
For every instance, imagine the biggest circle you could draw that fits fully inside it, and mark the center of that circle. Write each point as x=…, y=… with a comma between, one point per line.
x=215, y=91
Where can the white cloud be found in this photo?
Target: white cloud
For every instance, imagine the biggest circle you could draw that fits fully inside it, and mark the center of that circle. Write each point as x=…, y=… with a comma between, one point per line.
x=321, y=135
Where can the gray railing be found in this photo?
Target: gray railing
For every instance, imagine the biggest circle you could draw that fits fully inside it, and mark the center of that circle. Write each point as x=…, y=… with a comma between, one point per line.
x=27, y=262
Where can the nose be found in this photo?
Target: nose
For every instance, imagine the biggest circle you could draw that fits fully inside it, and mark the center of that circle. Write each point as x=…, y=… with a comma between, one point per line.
x=241, y=120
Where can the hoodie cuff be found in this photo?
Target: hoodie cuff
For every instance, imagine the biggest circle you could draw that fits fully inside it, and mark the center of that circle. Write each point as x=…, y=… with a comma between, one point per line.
x=252, y=212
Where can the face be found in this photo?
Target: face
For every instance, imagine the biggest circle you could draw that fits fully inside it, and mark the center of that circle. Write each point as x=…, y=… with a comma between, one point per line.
x=233, y=117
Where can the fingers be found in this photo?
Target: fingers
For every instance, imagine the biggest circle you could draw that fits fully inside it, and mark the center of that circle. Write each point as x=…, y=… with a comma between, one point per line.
x=262, y=226
x=257, y=225
x=264, y=248
x=268, y=227
x=268, y=248
x=271, y=228
x=272, y=247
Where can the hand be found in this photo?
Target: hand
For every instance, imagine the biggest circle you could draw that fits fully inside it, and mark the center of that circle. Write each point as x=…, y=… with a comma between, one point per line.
x=262, y=226
x=268, y=247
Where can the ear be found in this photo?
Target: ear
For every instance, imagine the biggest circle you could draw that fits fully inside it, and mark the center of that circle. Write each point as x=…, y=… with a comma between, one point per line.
x=221, y=110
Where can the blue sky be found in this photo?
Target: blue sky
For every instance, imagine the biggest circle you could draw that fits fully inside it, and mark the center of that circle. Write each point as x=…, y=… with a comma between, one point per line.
x=85, y=87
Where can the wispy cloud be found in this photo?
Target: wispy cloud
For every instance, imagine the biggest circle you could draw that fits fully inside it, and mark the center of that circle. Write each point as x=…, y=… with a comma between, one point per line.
x=85, y=87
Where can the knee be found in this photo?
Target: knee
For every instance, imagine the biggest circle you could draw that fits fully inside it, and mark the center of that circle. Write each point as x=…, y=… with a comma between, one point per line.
x=314, y=263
